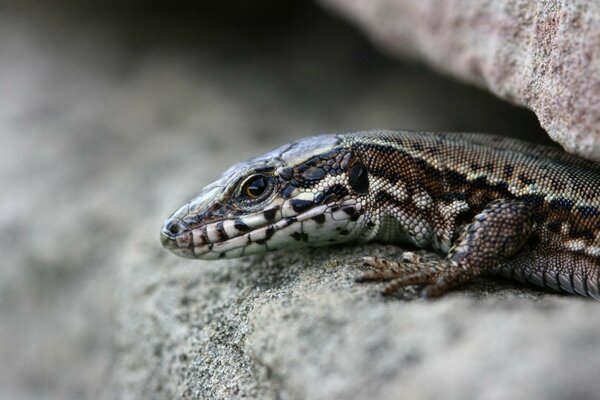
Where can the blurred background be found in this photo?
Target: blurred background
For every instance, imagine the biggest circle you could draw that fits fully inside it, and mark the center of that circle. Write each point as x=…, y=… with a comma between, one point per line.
x=113, y=114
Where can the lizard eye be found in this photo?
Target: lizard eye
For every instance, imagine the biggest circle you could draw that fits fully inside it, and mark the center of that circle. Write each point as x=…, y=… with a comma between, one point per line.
x=255, y=186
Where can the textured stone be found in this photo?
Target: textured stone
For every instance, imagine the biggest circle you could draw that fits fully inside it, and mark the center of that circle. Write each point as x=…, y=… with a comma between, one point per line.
x=544, y=55
x=108, y=121
x=296, y=326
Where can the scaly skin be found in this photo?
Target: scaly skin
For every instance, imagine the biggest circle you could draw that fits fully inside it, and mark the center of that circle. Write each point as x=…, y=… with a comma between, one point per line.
x=487, y=204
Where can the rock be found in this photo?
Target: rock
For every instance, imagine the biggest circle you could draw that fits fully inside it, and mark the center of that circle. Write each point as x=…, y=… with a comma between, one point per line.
x=544, y=55
x=109, y=121
x=295, y=325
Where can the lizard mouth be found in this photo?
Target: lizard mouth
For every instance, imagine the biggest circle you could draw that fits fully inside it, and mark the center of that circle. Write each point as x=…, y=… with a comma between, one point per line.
x=174, y=235
x=270, y=229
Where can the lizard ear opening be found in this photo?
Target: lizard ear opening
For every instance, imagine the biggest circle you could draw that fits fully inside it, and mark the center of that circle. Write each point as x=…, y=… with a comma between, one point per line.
x=358, y=178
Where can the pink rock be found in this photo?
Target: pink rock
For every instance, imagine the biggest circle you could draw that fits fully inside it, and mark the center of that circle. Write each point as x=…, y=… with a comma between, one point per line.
x=544, y=55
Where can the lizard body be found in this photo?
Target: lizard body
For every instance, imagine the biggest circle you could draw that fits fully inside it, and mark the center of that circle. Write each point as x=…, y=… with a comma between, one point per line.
x=487, y=204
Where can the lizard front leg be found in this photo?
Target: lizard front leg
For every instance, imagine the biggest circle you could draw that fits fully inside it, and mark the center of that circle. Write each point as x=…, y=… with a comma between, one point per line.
x=493, y=236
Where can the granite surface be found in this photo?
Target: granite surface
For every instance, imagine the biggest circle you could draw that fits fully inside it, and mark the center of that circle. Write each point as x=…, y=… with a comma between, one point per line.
x=544, y=55
x=109, y=119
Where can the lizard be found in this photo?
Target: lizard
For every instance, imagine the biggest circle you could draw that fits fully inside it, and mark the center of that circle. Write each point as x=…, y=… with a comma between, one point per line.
x=485, y=204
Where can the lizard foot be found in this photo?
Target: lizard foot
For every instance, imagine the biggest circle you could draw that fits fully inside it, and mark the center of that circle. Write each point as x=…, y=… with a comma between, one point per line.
x=411, y=269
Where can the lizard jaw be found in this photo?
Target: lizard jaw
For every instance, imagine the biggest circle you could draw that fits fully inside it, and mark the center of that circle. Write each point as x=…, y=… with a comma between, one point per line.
x=230, y=238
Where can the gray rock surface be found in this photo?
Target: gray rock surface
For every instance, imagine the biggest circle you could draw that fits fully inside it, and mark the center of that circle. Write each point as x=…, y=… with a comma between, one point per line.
x=544, y=55
x=296, y=326
x=110, y=118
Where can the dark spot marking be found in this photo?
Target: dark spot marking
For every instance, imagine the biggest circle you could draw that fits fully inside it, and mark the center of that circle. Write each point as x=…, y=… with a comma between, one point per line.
x=561, y=204
x=381, y=197
x=303, y=167
x=270, y=213
x=319, y=198
x=433, y=150
x=215, y=211
x=588, y=211
x=189, y=220
x=580, y=233
x=358, y=178
x=508, y=170
x=533, y=199
x=260, y=241
x=290, y=220
x=421, y=164
x=383, y=173
x=554, y=226
x=240, y=225
x=319, y=219
x=331, y=194
x=534, y=240
x=221, y=235
x=286, y=173
x=325, y=197
x=474, y=166
x=526, y=180
x=349, y=210
x=501, y=186
x=269, y=232
x=456, y=177
x=221, y=255
x=288, y=190
x=313, y=174
x=479, y=182
x=417, y=146
x=299, y=236
x=540, y=217
x=301, y=205
x=453, y=196
x=355, y=216
x=344, y=232
x=335, y=207
x=203, y=236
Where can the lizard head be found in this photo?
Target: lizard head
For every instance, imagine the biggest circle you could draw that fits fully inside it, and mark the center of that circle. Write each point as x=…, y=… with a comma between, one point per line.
x=308, y=193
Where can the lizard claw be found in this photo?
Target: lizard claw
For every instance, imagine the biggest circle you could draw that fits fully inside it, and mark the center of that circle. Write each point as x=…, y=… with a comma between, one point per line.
x=374, y=262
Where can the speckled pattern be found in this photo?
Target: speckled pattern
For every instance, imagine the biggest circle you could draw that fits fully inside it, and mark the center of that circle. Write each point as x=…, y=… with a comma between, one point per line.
x=487, y=203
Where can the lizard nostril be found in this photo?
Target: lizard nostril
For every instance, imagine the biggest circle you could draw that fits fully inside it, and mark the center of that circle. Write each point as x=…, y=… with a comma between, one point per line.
x=173, y=227
x=175, y=233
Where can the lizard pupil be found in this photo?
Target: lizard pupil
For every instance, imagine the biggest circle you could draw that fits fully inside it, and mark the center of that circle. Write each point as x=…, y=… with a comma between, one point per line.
x=255, y=186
